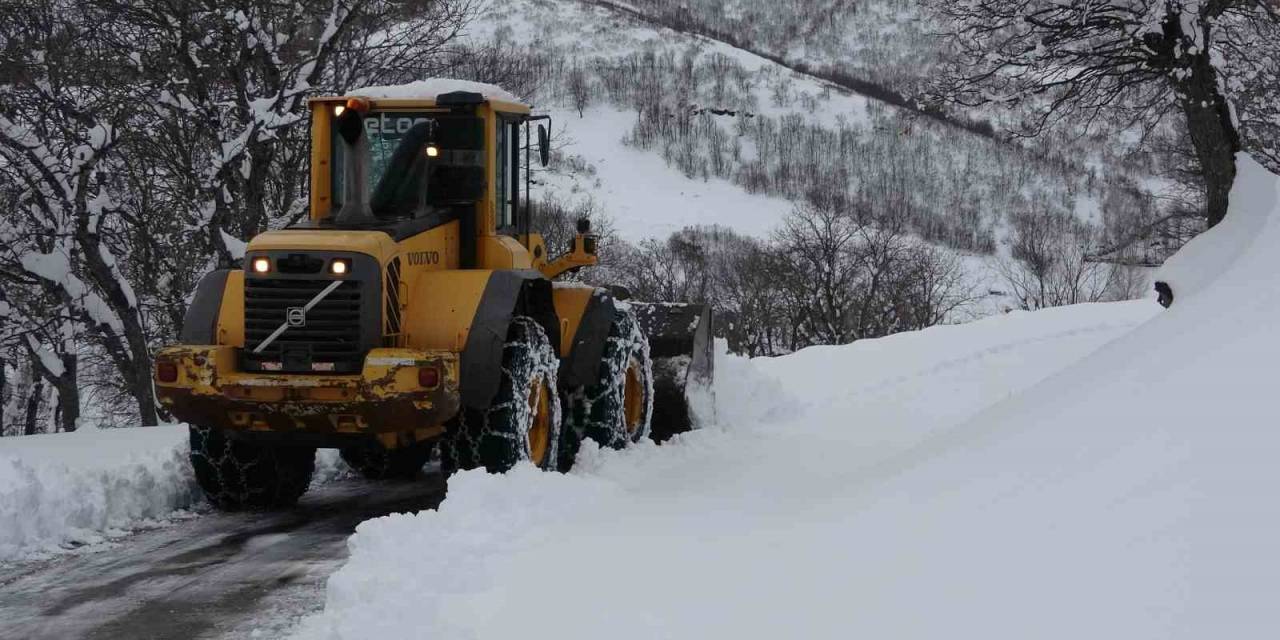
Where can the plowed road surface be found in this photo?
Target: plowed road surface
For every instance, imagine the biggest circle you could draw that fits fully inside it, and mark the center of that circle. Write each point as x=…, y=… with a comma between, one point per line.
x=216, y=576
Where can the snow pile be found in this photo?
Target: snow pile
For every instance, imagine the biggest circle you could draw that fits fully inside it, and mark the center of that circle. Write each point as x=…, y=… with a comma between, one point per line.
x=330, y=468
x=72, y=489
x=68, y=490
x=1209, y=256
x=432, y=87
x=755, y=527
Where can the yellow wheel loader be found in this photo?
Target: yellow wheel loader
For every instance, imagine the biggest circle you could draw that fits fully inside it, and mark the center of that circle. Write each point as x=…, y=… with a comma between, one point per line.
x=415, y=312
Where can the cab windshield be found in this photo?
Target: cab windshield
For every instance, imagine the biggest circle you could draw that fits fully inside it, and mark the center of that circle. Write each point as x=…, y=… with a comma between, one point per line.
x=403, y=181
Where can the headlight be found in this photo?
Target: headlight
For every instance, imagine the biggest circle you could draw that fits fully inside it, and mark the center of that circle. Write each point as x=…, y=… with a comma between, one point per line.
x=339, y=267
x=261, y=265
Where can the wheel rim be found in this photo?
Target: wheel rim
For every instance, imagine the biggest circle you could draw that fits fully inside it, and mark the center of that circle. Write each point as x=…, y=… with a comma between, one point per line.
x=633, y=398
x=540, y=429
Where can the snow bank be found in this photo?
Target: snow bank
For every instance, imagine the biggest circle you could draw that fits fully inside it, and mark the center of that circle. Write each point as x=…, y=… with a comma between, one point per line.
x=751, y=528
x=432, y=87
x=67, y=490
x=1208, y=256
x=72, y=489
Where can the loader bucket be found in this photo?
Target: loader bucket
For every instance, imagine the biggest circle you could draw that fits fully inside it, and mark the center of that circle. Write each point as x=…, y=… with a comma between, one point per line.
x=680, y=343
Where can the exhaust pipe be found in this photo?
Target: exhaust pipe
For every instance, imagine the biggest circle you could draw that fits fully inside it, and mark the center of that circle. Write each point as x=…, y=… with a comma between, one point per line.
x=355, y=169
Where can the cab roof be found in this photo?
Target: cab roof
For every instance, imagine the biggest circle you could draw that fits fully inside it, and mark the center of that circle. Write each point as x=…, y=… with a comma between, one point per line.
x=437, y=90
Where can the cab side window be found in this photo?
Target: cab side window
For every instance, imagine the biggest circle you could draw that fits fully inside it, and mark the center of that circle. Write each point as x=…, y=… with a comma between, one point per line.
x=506, y=173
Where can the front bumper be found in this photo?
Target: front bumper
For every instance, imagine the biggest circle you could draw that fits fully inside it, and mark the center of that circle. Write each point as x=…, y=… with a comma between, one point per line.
x=386, y=399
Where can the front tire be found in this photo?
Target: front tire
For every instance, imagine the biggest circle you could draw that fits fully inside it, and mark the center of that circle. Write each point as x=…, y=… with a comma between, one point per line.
x=616, y=410
x=239, y=474
x=523, y=421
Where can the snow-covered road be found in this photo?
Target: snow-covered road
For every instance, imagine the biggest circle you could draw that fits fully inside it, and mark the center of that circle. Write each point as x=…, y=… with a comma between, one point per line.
x=788, y=427
x=751, y=528
x=216, y=576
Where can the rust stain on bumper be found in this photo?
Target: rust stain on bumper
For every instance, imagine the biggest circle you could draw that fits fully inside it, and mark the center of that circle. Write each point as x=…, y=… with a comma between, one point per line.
x=386, y=398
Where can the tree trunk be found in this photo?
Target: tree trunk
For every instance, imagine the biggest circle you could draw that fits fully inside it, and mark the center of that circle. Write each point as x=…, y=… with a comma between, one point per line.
x=129, y=351
x=68, y=394
x=67, y=384
x=1214, y=137
x=33, y=402
x=140, y=387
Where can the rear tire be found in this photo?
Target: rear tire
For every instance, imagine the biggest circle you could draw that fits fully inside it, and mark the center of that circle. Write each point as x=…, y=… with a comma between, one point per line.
x=616, y=411
x=238, y=474
x=376, y=462
x=523, y=421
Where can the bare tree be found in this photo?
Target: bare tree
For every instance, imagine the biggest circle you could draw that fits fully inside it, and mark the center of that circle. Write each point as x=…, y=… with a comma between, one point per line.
x=66, y=108
x=822, y=271
x=1051, y=264
x=579, y=88
x=852, y=275
x=141, y=141
x=227, y=117
x=1138, y=61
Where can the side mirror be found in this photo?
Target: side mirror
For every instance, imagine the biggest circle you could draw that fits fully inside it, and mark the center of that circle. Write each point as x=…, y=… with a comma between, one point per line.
x=544, y=145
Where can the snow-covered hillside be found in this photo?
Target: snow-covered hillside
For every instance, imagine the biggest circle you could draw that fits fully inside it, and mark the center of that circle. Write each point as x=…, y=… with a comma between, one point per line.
x=658, y=130
x=720, y=116
x=995, y=478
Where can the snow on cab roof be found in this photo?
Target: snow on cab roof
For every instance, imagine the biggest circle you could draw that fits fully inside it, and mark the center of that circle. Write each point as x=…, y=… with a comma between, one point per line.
x=430, y=88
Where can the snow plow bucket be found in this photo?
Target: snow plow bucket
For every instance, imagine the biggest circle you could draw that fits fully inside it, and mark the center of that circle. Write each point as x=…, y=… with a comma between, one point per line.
x=680, y=343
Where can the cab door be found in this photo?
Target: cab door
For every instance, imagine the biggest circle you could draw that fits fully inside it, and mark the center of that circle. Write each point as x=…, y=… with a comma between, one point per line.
x=507, y=175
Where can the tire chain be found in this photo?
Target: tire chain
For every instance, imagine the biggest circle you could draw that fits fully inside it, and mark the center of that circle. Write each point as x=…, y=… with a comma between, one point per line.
x=591, y=407
x=527, y=348
x=229, y=478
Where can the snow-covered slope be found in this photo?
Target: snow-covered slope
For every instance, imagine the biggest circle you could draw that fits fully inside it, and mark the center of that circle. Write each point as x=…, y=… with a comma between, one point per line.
x=641, y=194
x=1090, y=471
x=622, y=91
x=657, y=130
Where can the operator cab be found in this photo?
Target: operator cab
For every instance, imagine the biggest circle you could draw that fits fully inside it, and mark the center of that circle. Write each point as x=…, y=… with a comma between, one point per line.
x=410, y=160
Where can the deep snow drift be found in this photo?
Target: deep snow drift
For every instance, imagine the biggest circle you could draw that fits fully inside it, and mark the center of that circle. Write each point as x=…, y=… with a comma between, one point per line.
x=750, y=529
x=921, y=486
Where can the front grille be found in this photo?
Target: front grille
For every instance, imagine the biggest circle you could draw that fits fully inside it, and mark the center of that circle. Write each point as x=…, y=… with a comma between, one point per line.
x=330, y=340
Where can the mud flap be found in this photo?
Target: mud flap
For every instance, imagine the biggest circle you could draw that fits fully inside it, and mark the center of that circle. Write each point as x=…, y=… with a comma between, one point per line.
x=680, y=343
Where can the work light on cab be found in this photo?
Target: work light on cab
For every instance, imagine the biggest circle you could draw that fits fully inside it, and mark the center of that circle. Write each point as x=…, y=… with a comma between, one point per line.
x=361, y=105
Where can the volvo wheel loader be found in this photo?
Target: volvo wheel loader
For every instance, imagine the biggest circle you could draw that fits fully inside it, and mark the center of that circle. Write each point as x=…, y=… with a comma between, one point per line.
x=416, y=310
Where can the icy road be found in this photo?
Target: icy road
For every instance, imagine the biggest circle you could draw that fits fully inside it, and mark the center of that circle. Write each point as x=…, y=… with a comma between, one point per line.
x=219, y=575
